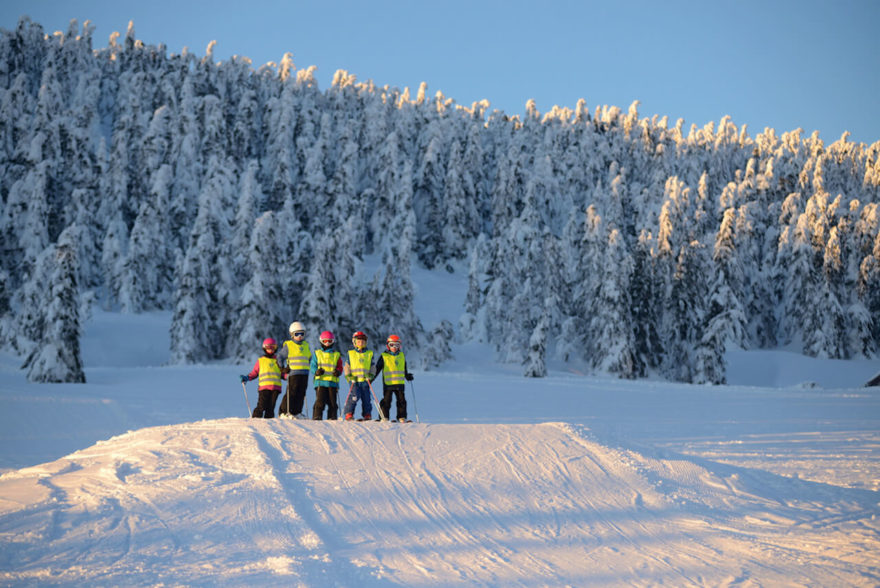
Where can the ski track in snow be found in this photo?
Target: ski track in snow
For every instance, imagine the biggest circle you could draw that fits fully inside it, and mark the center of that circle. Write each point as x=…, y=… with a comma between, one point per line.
x=286, y=502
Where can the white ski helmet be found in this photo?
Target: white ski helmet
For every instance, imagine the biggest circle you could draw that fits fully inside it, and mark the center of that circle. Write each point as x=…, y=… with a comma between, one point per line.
x=296, y=327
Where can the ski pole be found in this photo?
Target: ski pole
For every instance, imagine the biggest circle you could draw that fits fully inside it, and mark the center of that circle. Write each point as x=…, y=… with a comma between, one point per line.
x=415, y=404
x=350, y=388
x=246, y=401
x=378, y=406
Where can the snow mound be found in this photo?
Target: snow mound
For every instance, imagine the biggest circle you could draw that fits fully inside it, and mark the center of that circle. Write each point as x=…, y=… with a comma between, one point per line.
x=249, y=502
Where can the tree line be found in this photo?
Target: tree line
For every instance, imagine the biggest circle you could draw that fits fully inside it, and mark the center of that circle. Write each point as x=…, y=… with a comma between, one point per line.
x=241, y=197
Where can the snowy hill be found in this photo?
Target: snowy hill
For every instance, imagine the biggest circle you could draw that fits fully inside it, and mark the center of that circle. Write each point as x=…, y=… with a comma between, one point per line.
x=507, y=481
x=242, y=502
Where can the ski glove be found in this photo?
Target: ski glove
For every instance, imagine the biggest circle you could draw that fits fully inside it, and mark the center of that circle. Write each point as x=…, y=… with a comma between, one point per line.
x=409, y=377
x=319, y=372
x=337, y=373
x=244, y=379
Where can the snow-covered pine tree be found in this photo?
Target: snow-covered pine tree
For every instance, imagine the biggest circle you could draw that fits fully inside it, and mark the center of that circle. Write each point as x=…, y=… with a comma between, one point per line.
x=148, y=268
x=857, y=329
x=320, y=299
x=509, y=184
x=347, y=285
x=194, y=335
x=534, y=365
x=245, y=140
x=725, y=311
x=429, y=205
x=377, y=112
x=802, y=286
x=113, y=255
x=725, y=319
x=646, y=300
x=343, y=194
x=472, y=324
x=320, y=212
x=869, y=288
x=437, y=349
x=26, y=217
x=295, y=248
x=45, y=154
x=30, y=301
x=127, y=184
x=683, y=320
x=584, y=264
x=16, y=115
x=158, y=141
x=833, y=338
x=187, y=165
x=709, y=366
x=257, y=313
x=756, y=243
x=202, y=301
x=474, y=171
x=388, y=182
x=522, y=253
x=250, y=202
x=611, y=325
x=388, y=307
x=280, y=162
x=56, y=357
x=542, y=186
x=462, y=219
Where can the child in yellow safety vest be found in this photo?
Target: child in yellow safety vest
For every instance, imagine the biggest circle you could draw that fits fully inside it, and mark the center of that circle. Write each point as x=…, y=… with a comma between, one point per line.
x=294, y=357
x=359, y=373
x=392, y=364
x=326, y=364
x=270, y=376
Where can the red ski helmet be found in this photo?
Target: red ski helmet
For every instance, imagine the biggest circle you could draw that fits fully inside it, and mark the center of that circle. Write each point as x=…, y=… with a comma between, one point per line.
x=393, y=341
x=359, y=340
x=327, y=336
x=270, y=342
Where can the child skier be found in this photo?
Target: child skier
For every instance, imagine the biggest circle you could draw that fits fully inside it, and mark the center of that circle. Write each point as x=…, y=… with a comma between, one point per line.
x=326, y=364
x=392, y=364
x=294, y=357
x=269, y=372
x=359, y=373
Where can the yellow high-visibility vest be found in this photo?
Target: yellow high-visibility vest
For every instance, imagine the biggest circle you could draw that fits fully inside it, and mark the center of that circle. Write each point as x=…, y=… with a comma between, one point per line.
x=298, y=356
x=393, y=368
x=360, y=363
x=270, y=373
x=327, y=360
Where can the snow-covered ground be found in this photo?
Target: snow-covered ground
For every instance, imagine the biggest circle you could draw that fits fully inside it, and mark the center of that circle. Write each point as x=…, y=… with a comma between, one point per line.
x=149, y=474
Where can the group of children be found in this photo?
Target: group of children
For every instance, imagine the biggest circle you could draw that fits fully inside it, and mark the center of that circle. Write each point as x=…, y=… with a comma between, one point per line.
x=296, y=361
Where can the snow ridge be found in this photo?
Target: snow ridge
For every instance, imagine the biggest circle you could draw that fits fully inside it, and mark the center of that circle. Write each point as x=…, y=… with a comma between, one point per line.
x=250, y=502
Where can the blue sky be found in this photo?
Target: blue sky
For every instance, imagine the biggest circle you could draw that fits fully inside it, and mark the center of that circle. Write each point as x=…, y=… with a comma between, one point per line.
x=778, y=63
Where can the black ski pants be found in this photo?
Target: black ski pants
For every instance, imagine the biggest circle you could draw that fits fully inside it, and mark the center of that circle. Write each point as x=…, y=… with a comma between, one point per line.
x=265, y=408
x=292, y=402
x=398, y=391
x=326, y=396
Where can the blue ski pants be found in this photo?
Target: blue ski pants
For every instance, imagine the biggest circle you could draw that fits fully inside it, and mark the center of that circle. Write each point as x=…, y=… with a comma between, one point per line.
x=360, y=391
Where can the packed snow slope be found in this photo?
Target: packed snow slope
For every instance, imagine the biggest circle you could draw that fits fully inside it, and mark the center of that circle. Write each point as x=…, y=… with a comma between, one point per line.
x=244, y=502
x=149, y=475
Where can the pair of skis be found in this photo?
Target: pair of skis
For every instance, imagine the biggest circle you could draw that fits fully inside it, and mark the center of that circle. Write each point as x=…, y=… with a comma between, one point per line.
x=361, y=420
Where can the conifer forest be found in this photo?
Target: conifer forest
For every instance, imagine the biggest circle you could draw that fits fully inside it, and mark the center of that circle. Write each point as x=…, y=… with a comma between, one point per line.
x=240, y=198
